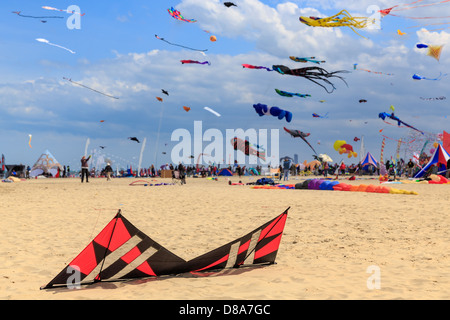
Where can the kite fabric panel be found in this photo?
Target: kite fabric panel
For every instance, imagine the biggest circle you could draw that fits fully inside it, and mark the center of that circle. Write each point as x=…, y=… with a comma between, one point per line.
x=123, y=252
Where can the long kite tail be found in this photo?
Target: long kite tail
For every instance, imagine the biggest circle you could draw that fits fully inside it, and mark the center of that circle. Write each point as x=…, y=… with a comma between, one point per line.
x=179, y=45
x=81, y=85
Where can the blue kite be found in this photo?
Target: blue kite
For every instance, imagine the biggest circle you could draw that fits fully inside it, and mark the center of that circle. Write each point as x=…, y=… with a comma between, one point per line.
x=262, y=110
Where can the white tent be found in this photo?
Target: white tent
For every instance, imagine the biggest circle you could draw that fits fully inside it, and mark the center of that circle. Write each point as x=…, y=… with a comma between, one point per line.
x=45, y=164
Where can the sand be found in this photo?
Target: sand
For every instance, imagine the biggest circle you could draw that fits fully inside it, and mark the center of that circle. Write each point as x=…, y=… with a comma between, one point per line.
x=334, y=242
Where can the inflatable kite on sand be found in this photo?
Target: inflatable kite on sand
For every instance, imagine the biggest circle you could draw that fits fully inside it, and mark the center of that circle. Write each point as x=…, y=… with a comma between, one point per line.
x=333, y=185
x=122, y=252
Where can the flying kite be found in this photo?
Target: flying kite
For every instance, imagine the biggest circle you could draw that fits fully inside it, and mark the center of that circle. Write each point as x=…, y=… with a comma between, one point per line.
x=249, y=66
x=186, y=108
x=179, y=45
x=290, y=94
x=400, y=33
x=213, y=38
x=81, y=85
x=165, y=92
x=212, y=111
x=341, y=19
x=384, y=115
x=262, y=110
x=29, y=141
x=376, y=72
x=304, y=60
x=134, y=139
x=315, y=115
x=19, y=13
x=62, y=10
x=177, y=15
x=52, y=44
x=229, y=4
x=433, y=51
x=430, y=99
x=362, y=101
x=343, y=147
x=408, y=6
x=312, y=74
x=123, y=252
x=194, y=61
x=300, y=134
x=159, y=99
x=247, y=148
x=356, y=139
x=417, y=77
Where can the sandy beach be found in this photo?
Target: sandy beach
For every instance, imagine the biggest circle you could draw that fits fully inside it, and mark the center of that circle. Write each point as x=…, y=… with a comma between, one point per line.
x=331, y=239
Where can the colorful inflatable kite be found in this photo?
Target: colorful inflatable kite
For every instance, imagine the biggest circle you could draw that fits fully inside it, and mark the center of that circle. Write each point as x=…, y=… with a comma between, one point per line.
x=312, y=74
x=123, y=252
x=433, y=51
x=384, y=115
x=304, y=60
x=300, y=134
x=62, y=10
x=334, y=185
x=264, y=110
x=290, y=94
x=315, y=115
x=408, y=6
x=177, y=15
x=417, y=77
x=341, y=19
x=376, y=72
x=249, y=66
x=186, y=108
x=247, y=148
x=194, y=61
x=343, y=147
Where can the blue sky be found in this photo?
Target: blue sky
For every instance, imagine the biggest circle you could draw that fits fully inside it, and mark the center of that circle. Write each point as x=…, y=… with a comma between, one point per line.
x=117, y=53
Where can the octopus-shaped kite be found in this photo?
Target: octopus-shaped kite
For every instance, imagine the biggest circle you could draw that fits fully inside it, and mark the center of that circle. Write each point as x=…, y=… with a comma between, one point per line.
x=312, y=74
x=341, y=19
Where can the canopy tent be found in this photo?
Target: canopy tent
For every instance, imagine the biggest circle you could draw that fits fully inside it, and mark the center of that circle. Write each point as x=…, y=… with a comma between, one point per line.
x=440, y=158
x=225, y=172
x=46, y=164
x=369, y=159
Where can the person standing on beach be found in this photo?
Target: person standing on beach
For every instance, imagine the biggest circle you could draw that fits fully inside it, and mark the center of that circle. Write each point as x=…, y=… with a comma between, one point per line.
x=108, y=171
x=85, y=168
